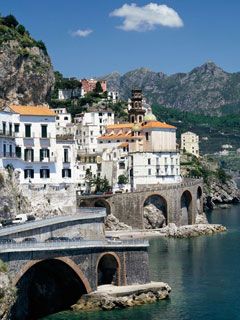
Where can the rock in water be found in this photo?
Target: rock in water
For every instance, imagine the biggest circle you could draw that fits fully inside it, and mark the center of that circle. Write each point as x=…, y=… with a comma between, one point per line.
x=26, y=73
x=113, y=224
x=153, y=217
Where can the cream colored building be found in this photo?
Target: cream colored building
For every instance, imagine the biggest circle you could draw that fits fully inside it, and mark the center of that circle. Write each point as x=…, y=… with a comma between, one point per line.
x=190, y=143
x=143, y=149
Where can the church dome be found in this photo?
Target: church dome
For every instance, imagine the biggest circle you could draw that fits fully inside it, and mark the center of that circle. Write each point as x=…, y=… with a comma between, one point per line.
x=149, y=117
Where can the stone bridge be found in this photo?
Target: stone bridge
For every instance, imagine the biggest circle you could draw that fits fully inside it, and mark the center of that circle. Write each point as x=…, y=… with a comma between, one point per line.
x=180, y=203
x=50, y=277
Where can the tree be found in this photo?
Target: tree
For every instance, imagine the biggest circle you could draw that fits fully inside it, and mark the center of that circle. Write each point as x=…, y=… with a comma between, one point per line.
x=122, y=179
x=98, y=87
x=102, y=185
x=21, y=29
x=10, y=21
x=89, y=180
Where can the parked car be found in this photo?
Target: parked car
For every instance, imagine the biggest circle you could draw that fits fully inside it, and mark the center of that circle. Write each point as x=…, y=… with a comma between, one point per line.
x=20, y=218
x=33, y=240
x=51, y=239
x=77, y=238
x=63, y=239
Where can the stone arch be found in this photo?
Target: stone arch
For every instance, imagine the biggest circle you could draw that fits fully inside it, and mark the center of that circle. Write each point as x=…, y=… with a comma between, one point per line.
x=161, y=204
x=199, y=201
x=186, y=208
x=102, y=203
x=48, y=286
x=108, y=269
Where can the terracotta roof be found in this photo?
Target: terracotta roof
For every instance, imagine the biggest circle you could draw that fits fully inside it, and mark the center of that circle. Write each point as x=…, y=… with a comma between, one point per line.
x=123, y=145
x=157, y=124
x=33, y=110
x=120, y=125
x=122, y=136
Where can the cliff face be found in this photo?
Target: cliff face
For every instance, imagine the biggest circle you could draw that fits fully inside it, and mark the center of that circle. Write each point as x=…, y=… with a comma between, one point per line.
x=207, y=88
x=26, y=73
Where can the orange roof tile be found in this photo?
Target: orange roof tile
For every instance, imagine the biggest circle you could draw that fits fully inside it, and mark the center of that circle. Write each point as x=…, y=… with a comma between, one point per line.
x=123, y=145
x=122, y=136
x=33, y=110
x=157, y=124
x=120, y=125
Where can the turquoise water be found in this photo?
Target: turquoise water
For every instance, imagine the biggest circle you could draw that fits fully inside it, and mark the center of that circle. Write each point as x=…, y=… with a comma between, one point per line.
x=204, y=274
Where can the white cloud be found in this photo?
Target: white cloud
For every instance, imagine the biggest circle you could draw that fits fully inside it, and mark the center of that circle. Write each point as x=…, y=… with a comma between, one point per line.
x=82, y=33
x=147, y=17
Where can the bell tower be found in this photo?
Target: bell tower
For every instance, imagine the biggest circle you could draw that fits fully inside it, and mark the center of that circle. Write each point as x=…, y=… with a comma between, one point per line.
x=136, y=112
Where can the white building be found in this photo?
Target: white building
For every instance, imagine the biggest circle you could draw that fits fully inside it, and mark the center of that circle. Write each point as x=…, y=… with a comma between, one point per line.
x=66, y=94
x=113, y=96
x=190, y=143
x=89, y=126
x=28, y=143
x=143, y=149
x=63, y=121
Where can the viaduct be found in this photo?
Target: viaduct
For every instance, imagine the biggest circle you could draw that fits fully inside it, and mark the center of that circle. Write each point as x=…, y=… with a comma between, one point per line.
x=180, y=203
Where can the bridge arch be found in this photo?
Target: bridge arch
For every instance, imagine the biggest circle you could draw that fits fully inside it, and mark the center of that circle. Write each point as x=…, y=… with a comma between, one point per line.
x=108, y=269
x=102, y=203
x=160, y=203
x=199, y=200
x=186, y=208
x=48, y=286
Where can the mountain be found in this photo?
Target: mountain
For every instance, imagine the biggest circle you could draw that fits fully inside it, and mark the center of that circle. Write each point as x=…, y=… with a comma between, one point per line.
x=26, y=73
x=207, y=89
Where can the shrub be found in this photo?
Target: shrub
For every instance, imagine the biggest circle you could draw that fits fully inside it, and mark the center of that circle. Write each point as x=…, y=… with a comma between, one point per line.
x=10, y=21
x=122, y=179
x=3, y=267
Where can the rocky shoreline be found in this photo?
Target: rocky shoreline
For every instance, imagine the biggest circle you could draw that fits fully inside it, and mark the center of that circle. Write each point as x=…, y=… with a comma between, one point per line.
x=109, y=297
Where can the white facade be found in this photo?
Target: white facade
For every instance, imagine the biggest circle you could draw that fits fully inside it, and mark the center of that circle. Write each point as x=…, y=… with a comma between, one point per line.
x=63, y=121
x=113, y=96
x=190, y=143
x=66, y=94
x=35, y=152
x=89, y=126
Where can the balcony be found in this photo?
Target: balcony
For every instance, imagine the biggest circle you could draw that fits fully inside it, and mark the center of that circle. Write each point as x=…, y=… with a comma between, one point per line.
x=7, y=134
x=65, y=137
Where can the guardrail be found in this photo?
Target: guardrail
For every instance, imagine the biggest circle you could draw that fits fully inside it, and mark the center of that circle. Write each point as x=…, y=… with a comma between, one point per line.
x=81, y=213
x=81, y=244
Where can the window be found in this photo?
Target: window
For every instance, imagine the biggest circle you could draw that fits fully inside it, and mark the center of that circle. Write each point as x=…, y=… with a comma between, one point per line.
x=16, y=127
x=27, y=130
x=4, y=150
x=109, y=114
x=157, y=172
x=100, y=114
x=91, y=140
x=66, y=173
x=28, y=155
x=147, y=136
x=10, y=150
x=10, y=129
x=165, y=160
x=65, y=118
x=44, y=173
x=44, y=131
x=44, y=153
x=121, y=165
x=57, y=117
x=100, y=120
x=4, y=127
x=91, y=132
x=149, y=172
x=66, y=158
x=28, y=173
x=18, y=152
x=149, y=161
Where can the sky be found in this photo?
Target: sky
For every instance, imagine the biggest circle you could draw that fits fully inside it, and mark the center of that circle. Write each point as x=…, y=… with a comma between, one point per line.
x=88, y=38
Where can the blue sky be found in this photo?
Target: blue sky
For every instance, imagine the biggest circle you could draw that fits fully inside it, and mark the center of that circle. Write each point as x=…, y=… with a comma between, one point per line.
x=84, y=40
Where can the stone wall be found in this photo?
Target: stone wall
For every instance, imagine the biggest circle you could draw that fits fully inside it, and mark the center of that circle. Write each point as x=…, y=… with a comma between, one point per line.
x=129, y=207
x=134, y=267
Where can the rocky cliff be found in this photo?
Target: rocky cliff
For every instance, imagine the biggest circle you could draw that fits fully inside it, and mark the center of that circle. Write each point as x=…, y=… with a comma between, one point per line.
x=26, y=73
x=207, y=88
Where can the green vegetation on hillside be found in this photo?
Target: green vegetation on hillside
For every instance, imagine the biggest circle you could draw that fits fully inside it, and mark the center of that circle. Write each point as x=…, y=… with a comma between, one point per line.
x=10, y=29
x=216, y=130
